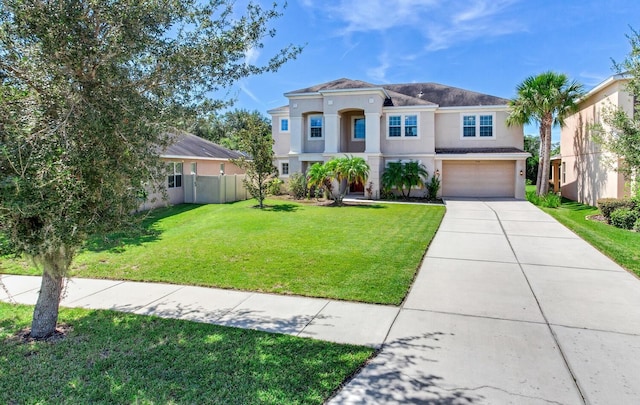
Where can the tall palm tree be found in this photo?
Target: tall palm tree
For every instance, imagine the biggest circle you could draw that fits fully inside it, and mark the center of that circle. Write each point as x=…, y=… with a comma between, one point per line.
x=547, y=99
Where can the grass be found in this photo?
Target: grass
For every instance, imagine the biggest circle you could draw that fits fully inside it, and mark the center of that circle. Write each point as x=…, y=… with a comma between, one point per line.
x=110, y=357
x=620, y=245
x=359, y=253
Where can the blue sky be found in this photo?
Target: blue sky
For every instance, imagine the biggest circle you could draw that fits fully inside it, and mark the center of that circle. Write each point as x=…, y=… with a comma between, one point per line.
x=487, y=46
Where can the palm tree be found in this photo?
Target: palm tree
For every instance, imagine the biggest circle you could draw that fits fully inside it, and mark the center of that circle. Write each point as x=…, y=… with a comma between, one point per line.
x=348, y=170
x=393, y=177
x=415, y=174
x=319, y=176
x=546, y=99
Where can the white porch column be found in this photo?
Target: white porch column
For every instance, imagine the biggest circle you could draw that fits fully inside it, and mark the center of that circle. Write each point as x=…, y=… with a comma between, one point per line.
x=331, y=133
x=296, y=135
x=372, y=136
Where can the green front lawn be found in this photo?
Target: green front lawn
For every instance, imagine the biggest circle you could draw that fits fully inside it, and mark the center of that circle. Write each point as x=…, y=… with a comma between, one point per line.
x=109, y=357
x=620, y=245
x=360, y=253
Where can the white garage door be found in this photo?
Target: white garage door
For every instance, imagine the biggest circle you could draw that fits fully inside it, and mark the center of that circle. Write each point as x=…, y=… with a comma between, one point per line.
x=494, y=178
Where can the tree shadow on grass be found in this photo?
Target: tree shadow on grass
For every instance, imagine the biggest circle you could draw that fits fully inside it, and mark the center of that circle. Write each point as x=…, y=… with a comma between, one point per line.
x=111, y=357
x=282, y=208
x=142, y=229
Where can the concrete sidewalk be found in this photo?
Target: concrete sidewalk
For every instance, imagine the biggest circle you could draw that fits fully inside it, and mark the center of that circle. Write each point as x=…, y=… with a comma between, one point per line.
x=336, y=321
x=509, y=307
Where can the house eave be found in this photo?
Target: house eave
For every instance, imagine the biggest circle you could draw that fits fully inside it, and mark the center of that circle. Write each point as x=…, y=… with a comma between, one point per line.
x=499, y=107
x=482, y=156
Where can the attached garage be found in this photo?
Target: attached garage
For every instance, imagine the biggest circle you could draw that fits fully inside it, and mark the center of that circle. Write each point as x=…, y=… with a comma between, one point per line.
x=478, y=178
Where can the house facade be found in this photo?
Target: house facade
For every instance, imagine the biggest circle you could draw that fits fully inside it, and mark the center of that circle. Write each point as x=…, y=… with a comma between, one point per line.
x=459, y=135
x=188, y=159
x=587, y=172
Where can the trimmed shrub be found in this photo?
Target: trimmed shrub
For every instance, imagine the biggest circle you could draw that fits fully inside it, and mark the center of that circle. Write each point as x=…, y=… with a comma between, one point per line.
x=624, y=218
x=636, y=226
x=550, y=200
x=298, y=185
x=273, y=188
x=433, y=187
x=608, y=205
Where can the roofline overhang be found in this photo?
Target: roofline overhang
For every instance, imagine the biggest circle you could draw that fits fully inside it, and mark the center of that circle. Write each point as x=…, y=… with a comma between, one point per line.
x=497, y=107
x=432, y=107
x=608, y=81
x=482, y=156
x=195, y=157
x=366, y=90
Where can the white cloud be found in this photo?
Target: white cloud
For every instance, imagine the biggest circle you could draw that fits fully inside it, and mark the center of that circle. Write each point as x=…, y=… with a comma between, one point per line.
x=251, y=56
x=442, y=24
x=245, y=89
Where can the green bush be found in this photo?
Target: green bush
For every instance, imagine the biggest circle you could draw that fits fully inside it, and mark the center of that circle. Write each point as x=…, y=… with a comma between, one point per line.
x=298, y=185
x=6, y=248
x=624, y=218
x=608, y=205
x=433, y=187
x=636, y=226
x=550, y=200
x=273, y=187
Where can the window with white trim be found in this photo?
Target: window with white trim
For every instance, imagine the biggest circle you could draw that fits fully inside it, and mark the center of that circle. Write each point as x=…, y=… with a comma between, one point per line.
x=410, y=125
x=315, y=127
x=402, y=126
x=478, y=126
x=174, y=179
x=359, y=129
x=284, y=124
x=395, y=126
x=284, y=169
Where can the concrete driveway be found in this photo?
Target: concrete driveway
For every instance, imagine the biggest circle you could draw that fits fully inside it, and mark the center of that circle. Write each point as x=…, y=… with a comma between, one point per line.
x=509, y=307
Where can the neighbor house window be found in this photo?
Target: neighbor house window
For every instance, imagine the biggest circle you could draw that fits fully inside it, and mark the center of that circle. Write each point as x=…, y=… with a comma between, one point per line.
x=359, y=129
x=175, y=175
x=486, y=125
x=284, y=125
x=564, y=172
x=221, y=168
x=194, y=168
x=285, y=169
x=469, y=126
x=411, y=125
x=395, y=125
x=478, y=126
x=315, y=126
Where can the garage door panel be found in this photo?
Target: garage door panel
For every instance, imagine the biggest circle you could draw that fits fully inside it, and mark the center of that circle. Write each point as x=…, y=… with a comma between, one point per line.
x=478, y=179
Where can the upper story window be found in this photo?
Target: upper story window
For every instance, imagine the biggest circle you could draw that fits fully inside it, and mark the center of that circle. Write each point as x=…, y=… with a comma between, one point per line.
x=174, y=179
x=395, y=126
x=400, y=125
x=284, y=124
x=359, y=129
x=315, y=127
x=478, y=126
x=411, y=125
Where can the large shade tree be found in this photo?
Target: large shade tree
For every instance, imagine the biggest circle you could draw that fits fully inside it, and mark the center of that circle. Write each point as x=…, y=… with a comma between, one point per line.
x=547, y=99
x=87, y=90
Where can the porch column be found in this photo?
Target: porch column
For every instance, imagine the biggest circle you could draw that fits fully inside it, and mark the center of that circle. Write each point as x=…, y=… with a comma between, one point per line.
x=332, y=133
x=296, y=135
x=372, y=136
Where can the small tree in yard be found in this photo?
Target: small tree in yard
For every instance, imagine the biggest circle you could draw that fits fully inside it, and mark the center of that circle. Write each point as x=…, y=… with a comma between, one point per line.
x=404, y=175
x=255, y=140
x=319, y=176
x=87, y=90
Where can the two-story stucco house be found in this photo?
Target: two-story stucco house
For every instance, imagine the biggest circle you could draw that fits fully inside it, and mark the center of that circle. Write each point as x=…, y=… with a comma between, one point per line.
x=459, y=135
x=587, y=172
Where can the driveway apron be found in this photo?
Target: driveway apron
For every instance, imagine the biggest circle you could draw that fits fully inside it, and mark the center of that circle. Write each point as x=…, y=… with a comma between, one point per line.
x=509, y=307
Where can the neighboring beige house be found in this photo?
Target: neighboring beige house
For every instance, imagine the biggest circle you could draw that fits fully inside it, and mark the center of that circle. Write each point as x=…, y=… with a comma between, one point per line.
x=457, y=134
x=588, y=173
x=190, y=157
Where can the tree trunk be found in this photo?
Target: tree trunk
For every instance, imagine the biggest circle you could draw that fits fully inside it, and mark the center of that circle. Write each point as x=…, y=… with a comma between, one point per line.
x=45, y=314
x=542, y=186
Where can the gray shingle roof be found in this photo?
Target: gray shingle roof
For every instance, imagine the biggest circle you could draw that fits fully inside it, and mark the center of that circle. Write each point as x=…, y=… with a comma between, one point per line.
x=185, y=144
x=410, y=94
